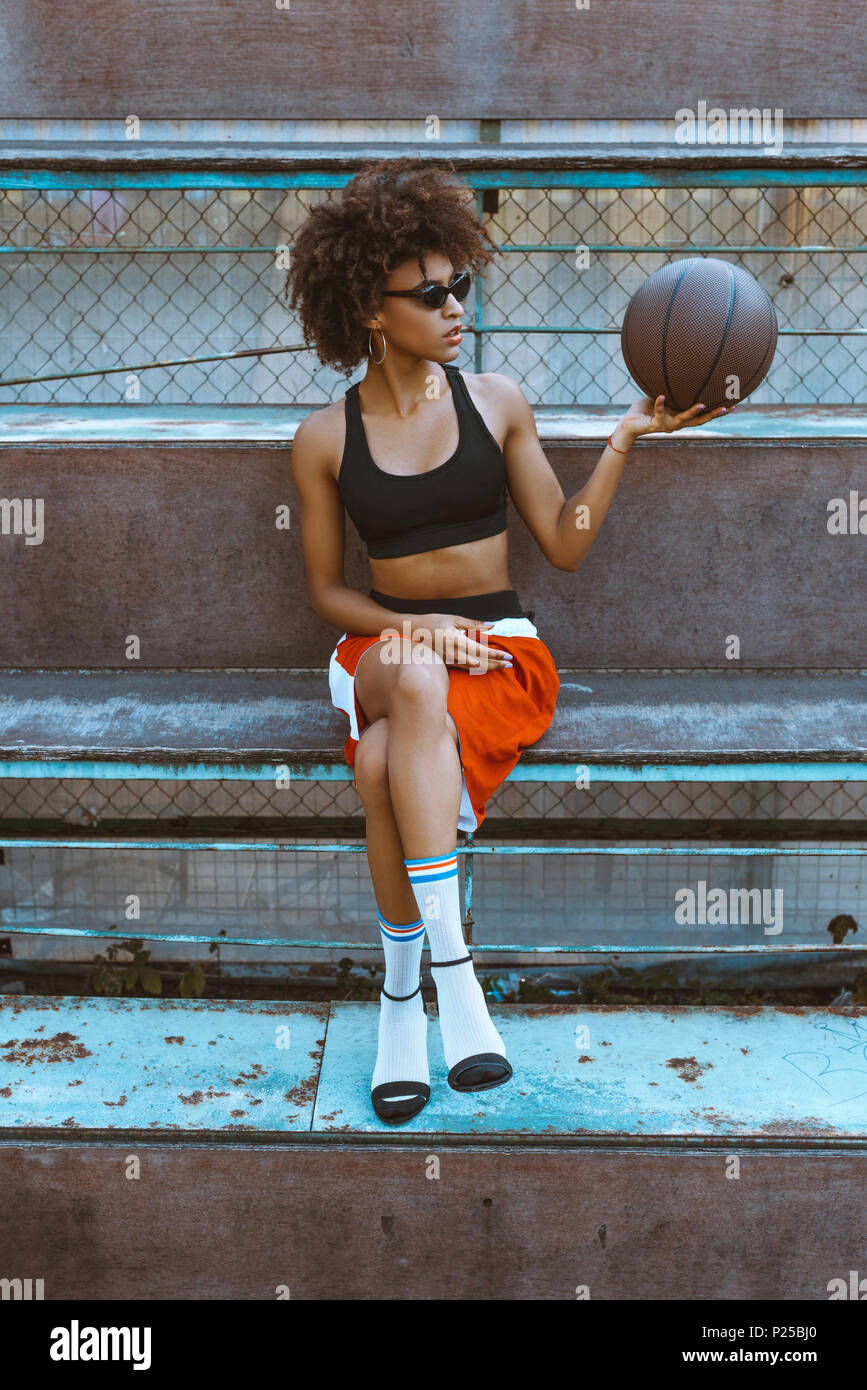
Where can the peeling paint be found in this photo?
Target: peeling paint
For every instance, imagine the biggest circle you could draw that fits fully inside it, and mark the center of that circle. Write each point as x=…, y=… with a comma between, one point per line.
x=688, y=1069
x=63, y=1047
x=302, y=1094
x=196, y=1097
x=256, y=1073
x=798, y=1128
x=713, y=1116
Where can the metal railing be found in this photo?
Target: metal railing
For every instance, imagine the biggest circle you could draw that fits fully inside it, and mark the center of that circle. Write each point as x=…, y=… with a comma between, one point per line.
x=821, y=819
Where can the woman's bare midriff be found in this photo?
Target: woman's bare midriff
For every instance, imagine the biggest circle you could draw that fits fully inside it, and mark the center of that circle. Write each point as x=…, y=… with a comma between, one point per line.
x=476, y=567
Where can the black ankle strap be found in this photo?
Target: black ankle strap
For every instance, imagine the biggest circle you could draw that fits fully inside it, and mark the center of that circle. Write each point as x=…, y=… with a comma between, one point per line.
x=459, y=961
x=401, y=997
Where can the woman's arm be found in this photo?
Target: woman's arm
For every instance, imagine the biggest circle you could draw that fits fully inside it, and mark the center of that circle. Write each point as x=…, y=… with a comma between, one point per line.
x=323, y=538
x=566, y=529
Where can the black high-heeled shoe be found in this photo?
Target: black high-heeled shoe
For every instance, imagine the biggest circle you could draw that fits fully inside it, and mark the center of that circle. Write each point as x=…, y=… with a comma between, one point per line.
x=415, y=1094
x=482, y=1070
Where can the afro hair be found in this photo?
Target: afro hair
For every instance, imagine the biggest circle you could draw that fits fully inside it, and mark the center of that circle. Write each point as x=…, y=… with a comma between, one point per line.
x=343, y=252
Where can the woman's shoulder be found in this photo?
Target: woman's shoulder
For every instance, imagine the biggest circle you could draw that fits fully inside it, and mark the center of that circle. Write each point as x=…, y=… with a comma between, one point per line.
x=492, y=387
x=497, y=398
x=319, y=439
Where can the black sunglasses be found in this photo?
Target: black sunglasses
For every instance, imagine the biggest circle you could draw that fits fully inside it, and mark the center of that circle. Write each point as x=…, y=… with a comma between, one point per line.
x=435, y=296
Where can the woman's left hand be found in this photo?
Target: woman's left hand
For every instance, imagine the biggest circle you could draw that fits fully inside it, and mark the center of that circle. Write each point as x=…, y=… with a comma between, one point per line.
x=653, y=417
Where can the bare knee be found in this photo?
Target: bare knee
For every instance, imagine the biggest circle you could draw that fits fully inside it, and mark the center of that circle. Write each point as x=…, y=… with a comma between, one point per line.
x=422, y=683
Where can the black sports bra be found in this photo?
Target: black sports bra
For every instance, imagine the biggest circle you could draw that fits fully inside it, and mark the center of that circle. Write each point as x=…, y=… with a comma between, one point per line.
x=463, y=499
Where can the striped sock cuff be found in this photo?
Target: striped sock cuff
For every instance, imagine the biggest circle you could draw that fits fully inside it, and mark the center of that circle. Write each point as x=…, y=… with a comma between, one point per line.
x=411, y=931
x=433, y=869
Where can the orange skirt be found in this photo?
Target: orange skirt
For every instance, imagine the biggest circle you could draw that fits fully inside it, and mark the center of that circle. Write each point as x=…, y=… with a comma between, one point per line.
x=497, y=712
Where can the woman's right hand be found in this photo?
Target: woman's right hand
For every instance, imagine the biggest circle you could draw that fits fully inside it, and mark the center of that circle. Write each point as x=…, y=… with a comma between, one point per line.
x=453, y=638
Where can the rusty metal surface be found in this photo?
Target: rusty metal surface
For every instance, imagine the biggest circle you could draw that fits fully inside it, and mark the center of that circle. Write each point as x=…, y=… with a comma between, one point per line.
x=516, y=60
x=738, y=714
x=270, y=154
x=703, y=543
x=704, y=540
x=223, y=715
x=230, y=716
x=154, y=1065
x=626, y=1071
x=210, y=1221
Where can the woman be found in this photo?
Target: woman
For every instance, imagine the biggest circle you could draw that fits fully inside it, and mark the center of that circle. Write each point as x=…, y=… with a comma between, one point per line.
x=442, y=675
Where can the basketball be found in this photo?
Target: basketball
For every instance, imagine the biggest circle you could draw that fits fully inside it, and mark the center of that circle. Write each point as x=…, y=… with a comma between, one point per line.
x=699, y=329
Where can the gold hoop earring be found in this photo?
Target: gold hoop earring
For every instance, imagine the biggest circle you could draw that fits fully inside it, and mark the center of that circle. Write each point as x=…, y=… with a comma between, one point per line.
x=377, y=360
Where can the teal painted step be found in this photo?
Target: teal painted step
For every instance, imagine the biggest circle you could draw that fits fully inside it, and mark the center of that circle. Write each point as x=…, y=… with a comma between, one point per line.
x=624, y=1071
x=158, y=1065
x=278, y=1070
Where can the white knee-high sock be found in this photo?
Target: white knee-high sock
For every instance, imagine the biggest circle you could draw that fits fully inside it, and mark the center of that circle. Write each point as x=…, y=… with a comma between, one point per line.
x=402, y=1047
x=464, y=1020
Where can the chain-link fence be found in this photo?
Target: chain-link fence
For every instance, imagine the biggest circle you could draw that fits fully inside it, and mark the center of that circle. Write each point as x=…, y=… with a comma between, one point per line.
x=99, y=279
x=301, y=900
x=117, y=806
